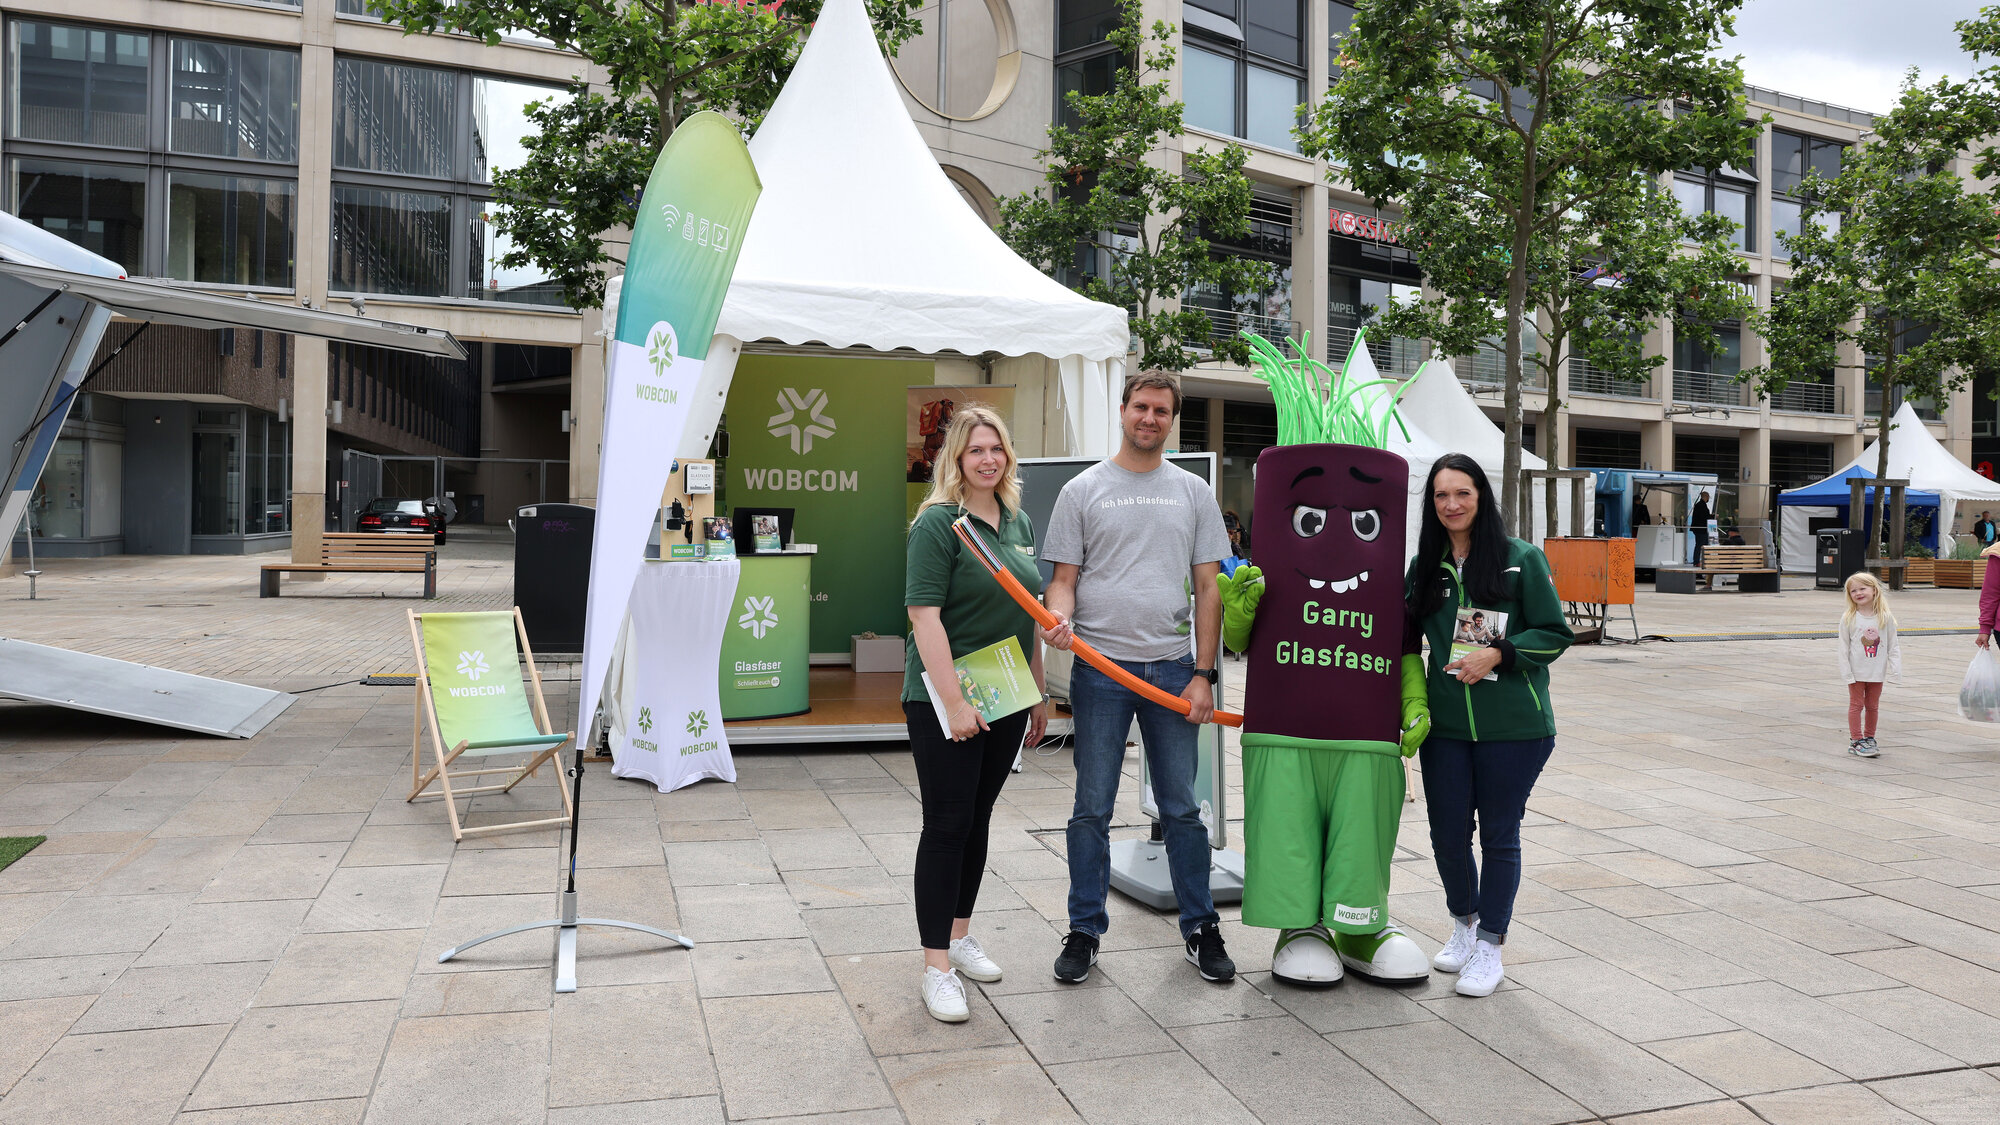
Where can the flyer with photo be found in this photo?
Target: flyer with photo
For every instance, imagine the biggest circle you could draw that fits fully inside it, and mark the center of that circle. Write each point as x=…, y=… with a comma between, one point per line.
x=996, y=680
x=764, y=529
x=1475, y=629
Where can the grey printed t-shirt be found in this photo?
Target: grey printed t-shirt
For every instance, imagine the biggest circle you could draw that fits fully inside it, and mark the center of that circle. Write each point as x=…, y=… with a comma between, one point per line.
x=1134, y=537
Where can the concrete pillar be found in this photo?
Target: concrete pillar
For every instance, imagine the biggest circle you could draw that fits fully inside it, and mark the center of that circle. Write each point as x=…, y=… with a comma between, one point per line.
x=1753, y=494
x=586, y=409
x=315, y=233
x=1310, y=255
x=1656, y=444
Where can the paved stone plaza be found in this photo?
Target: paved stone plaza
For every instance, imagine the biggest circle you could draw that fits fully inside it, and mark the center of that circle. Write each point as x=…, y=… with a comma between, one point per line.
x=1725, y=917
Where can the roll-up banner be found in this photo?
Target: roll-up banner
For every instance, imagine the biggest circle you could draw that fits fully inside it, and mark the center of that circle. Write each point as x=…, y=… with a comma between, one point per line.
x=691, y=221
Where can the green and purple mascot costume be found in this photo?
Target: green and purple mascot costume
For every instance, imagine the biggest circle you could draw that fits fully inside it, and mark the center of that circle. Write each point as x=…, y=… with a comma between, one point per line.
x=1331, y=705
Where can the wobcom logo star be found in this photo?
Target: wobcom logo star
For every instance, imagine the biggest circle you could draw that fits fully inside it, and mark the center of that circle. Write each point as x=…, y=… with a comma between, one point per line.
x=759, y=616
x=697, y=722
x=472, y=665
x=646, y=719
x=660, y=348
x=790, y=404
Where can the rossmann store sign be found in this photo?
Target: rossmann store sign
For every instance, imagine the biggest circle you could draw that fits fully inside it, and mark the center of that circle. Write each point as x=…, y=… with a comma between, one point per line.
x=1373, y=228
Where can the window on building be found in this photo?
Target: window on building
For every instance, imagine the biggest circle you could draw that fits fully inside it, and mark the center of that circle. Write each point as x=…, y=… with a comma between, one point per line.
x=1339, y=21
x=79, y=85
x=1794, y=157
x=100, y=207
x=1727, y=192
x=1724, y=357
x=198, y=184
x=1086, y=61
x=1607, y=449
x=1194, y=425
x=414, y=153
x=1267, y=239
x=1797, y=463
x=1243, y=68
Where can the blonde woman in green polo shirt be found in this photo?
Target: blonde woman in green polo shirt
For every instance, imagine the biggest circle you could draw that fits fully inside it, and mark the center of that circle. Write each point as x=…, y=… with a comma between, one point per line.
x=957, y=608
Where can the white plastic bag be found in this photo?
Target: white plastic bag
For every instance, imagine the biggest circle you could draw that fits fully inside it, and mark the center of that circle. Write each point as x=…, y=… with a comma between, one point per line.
x=1979, y=696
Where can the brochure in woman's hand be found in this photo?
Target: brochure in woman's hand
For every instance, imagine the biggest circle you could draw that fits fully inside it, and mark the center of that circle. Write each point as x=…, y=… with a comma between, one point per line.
x=996, y=680
x=1474, y=630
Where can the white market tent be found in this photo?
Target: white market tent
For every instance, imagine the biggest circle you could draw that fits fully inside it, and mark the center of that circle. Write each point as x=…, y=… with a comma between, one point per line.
x=860, y=240
x=1436, y=401
x=1915, y=456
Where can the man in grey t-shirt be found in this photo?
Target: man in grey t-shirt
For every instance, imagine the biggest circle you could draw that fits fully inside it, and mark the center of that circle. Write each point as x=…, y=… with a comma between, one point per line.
x=1128, y=538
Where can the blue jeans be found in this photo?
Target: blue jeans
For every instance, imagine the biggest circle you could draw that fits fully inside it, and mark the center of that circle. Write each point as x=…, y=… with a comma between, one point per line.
x=1492, y=780
x=1104, y=711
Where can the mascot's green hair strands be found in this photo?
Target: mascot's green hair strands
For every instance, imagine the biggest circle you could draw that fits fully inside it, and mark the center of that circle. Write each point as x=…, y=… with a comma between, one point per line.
x=1318, y=405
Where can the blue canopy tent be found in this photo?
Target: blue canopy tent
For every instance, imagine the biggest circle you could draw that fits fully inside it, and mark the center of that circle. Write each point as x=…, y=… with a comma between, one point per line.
x=1828, y=499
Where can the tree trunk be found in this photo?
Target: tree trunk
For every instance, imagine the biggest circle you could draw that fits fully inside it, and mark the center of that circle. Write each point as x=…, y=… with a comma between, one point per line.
x=1879, y=535
x=1517, y=300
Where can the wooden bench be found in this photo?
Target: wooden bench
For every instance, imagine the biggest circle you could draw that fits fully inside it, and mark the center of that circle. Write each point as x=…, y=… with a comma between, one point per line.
x=360, y=552
x=1753, y=576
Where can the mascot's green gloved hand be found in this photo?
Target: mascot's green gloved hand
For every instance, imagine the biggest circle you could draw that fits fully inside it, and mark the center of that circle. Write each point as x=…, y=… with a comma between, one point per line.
x=1240, y=594
x=1416, y=704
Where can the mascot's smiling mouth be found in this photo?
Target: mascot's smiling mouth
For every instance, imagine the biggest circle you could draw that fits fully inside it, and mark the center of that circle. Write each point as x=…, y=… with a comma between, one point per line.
x=1337, y=586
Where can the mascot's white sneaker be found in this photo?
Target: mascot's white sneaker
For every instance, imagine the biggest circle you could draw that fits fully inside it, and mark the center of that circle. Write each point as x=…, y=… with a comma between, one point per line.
x=1306, y=957
x=1388, y=954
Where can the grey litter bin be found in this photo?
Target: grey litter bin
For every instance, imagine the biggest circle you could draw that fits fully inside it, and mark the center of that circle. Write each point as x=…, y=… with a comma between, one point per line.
x=1837, y=554
x=552, y=573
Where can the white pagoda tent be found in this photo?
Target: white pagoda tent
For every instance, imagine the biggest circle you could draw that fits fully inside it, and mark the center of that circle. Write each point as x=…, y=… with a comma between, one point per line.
x=1915, y=456
x=861, y=241
x=1440, y=404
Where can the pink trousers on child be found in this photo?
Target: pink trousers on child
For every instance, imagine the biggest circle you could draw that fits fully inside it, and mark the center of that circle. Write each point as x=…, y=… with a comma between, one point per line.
x=1860, y=697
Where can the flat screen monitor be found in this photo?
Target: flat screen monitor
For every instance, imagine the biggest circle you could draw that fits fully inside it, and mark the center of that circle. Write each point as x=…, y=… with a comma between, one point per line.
x=745, y=523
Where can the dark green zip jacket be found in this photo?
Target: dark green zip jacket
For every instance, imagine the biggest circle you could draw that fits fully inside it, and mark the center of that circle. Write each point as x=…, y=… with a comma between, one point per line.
x=1516, y=706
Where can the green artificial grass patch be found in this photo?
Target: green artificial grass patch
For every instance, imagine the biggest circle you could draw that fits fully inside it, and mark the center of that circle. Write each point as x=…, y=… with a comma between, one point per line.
x=14, y=847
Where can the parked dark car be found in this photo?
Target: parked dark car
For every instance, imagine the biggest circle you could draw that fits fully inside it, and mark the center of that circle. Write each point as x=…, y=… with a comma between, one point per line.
x=402, y=515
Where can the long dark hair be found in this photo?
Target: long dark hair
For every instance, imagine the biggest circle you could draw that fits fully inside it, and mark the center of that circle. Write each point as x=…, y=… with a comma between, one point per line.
x=1485, y=570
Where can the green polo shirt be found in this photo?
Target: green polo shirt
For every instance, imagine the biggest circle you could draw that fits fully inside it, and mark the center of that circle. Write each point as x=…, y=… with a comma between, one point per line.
x=975, y=609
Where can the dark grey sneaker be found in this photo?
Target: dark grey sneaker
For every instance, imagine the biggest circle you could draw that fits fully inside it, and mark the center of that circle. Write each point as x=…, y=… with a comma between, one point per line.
x=1863, y=748
x=1205, y=952
x=1078, y=955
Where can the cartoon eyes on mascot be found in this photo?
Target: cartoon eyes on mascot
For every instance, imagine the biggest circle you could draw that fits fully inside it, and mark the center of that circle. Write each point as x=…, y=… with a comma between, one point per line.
x=1331, y=705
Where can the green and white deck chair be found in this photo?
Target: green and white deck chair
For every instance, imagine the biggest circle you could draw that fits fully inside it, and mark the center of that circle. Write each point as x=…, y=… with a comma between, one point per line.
x=469, y=680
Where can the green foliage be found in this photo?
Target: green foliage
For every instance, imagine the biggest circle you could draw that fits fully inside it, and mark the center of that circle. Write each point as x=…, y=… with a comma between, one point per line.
x=1512, y=193
x=1906, y=275
x=593, y=147
x=1317, y=404
x=1965, y=547
x=1111, y=198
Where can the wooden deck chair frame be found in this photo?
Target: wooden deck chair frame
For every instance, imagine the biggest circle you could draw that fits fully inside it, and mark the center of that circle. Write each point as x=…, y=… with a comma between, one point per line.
x=444, y=775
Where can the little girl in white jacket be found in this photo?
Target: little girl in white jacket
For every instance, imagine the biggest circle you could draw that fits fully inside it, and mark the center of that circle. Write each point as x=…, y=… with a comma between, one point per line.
x=1869, y=655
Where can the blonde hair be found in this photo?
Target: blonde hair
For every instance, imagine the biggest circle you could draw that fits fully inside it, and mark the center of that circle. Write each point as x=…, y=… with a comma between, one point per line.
x=1866, y=578
x=948, y=479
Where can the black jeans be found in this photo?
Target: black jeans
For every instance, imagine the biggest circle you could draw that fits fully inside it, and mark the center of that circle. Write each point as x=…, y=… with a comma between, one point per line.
x=960, y=781
x=1489, y=780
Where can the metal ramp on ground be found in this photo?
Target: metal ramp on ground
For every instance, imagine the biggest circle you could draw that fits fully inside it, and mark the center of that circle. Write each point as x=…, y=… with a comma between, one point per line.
x=120, y=688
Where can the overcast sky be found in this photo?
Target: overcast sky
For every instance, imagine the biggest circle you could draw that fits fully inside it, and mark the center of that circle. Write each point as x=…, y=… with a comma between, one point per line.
x=1849, y=52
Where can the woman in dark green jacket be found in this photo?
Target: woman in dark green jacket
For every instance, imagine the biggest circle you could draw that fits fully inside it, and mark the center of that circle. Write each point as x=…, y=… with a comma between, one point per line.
x=1487, y=606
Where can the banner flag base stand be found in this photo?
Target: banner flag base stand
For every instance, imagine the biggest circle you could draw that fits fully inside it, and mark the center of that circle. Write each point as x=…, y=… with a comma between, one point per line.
x=1139, y=871
x=566, y=925
x=565, y=938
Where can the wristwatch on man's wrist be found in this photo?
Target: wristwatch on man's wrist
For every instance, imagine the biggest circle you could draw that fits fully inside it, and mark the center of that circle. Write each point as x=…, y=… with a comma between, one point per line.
x=1208, y=674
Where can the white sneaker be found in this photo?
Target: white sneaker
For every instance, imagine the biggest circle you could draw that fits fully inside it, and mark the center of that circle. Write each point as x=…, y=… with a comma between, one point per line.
x=1452, y=958
x=944, y=996
x=971, y=961
x=1482, y=973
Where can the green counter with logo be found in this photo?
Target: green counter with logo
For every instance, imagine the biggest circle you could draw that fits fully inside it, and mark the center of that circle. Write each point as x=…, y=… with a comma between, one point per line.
x=766, y=649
